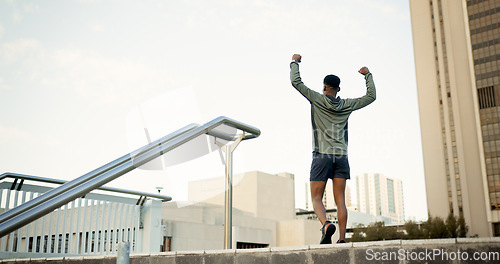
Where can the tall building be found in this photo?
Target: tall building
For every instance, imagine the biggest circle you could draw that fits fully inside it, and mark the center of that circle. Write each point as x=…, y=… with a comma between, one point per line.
x=457, y=58
x=380, y=196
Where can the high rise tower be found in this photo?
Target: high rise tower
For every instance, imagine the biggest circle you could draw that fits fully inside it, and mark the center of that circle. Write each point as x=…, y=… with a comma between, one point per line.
x=457, y=59
x=380, y=196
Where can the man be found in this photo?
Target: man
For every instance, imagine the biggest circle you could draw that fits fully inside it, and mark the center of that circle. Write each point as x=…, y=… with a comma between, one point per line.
x=329, y=115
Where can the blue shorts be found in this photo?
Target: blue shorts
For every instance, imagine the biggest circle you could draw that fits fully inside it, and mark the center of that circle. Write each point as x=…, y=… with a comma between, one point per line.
x=327, y=166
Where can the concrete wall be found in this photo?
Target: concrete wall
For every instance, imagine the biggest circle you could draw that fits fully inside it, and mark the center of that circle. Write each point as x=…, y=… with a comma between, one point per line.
x=396, y=251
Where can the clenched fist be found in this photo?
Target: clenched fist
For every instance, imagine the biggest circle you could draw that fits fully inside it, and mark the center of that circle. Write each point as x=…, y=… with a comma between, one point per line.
x=296, y=57
x=364, y=70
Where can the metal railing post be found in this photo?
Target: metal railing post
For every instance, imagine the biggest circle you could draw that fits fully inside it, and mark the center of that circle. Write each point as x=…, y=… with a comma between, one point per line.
x=123, y=256
x=228, y=209
x=228, y=204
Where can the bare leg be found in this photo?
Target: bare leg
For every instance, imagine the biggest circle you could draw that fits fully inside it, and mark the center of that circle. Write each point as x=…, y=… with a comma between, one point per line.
x=317, y=191
x=339, y=196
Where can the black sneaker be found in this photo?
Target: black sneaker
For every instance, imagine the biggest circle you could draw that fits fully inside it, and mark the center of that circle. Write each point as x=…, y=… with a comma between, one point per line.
x=327, y=231
x=340, y=241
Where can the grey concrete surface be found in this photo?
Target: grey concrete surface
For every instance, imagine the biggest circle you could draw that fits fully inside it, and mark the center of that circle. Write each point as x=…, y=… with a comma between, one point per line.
x=456, y=251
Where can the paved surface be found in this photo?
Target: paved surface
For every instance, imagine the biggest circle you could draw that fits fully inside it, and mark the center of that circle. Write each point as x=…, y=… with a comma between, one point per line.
x=461, y=250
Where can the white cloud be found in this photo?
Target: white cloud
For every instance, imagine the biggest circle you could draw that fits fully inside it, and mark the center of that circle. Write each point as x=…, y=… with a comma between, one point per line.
x=100, y=78
x=3, y=85
x=386, y=9
x=96, y=27
x=90, y=1
x=16, y=16
x=30, y=7
x=2, y=30
x=20, y=50
x=93, y=76
x=52, y=142
x=19, y=10
x=11, y=133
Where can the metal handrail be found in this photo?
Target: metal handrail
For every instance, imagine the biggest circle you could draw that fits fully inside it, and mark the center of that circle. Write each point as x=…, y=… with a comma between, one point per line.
x=89, y=176
x=134, y=160
x=103, y=188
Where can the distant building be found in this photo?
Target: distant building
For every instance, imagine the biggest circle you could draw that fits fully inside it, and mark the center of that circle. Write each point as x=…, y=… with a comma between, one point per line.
x=380, y=196
x=263, y=214
x=270, y=196
x=200, y=226
x=457, y=62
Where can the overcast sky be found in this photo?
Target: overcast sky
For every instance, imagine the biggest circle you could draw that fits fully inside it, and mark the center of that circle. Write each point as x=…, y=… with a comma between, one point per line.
x=80, y=80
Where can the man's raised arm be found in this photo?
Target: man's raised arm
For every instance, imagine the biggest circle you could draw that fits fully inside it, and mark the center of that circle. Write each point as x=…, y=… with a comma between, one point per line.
x=297, y=81
x=370, y=95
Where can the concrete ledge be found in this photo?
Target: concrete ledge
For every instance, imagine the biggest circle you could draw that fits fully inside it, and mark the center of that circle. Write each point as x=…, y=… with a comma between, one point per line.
x=430, y=241
x=486, y=250
x=220, y=251
x=463, y=240
x=38, y=260
x=377, y=243
x=250, y=250
x=162, y=258
x=194, y=252
x=289, y=249
x=326, y=246
x=79, y=258
x=160, y=254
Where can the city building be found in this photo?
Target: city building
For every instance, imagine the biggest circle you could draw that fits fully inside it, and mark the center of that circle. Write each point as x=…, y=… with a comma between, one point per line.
x=263, y=214
x=380, y=196
x=270, y=196
x=457, y=58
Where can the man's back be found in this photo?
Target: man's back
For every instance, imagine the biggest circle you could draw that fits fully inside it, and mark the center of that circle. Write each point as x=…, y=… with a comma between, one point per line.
x=329, y=115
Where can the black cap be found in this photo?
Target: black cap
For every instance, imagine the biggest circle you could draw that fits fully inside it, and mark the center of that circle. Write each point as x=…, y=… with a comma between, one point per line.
x=332, y=80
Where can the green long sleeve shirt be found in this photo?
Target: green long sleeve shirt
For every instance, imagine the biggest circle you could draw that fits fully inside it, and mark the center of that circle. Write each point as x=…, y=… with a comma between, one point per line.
x=329, y=115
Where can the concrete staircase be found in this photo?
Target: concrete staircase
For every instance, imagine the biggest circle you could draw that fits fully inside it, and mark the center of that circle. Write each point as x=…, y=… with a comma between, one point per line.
x=461, y=250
